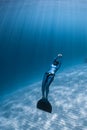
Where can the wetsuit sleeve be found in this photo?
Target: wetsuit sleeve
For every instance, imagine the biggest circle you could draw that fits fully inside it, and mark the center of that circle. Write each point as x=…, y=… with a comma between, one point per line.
x=58, y=66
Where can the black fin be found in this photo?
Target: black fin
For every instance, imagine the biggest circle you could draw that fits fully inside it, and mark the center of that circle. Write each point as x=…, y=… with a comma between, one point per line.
x=44, y=105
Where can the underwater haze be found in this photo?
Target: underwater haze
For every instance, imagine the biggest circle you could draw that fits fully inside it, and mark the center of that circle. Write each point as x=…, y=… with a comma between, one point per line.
x=33, y=32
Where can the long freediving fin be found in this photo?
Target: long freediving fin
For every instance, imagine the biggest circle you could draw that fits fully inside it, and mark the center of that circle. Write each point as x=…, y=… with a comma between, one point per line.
x=44, y=105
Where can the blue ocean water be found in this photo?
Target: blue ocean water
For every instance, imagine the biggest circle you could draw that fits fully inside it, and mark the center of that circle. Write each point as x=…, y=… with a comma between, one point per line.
x=33, y=32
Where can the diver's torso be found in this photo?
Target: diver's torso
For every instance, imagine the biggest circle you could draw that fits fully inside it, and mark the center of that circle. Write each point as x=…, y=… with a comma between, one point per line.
x=53, y=69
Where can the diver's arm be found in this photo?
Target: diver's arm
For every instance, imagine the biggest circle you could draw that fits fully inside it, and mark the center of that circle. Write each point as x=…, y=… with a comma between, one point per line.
x=58, y=66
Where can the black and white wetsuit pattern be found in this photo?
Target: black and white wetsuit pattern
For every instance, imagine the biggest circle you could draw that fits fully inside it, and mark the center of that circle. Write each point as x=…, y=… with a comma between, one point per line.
x=49, y=77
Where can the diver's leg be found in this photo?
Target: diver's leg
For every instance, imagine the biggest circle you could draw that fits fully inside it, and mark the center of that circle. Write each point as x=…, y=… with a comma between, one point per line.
x=50, y=79
x=44, y=85
x=47, y=92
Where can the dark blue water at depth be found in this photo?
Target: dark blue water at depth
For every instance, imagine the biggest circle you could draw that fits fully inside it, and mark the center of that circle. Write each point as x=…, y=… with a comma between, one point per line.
x=33, y=32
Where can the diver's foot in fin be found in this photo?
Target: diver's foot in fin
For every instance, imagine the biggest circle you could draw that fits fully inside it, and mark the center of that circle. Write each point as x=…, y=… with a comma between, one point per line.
x=44, y=99
x=44, y=105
